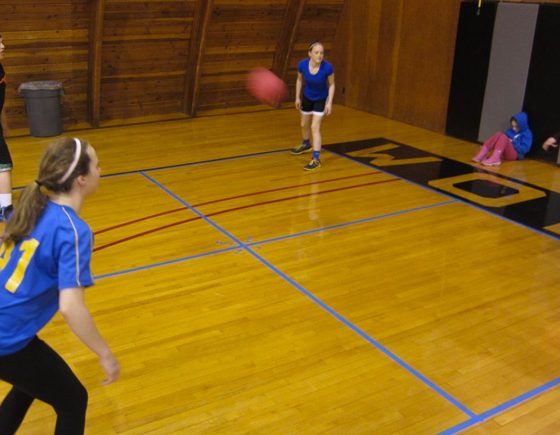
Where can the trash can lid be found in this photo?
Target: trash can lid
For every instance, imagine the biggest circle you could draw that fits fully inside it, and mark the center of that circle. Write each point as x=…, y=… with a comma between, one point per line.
x=49, y=85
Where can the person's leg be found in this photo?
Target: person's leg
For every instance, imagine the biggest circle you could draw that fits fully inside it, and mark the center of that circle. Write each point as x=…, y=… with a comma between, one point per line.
x=317, y=143
x=503, y=149
x=488, y=146
x=5, y=181
x=305, y=124
x=39, y=372
x=318, y=112
x=509, y=152
x=316, y=132
x=13, y=409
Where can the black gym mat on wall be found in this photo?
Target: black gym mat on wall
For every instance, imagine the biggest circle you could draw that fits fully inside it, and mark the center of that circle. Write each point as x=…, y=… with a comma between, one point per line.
x=542, y=96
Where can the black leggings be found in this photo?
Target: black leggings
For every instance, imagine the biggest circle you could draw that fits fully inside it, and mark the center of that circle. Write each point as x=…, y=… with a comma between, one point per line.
x=5, y=157
x=38, y=372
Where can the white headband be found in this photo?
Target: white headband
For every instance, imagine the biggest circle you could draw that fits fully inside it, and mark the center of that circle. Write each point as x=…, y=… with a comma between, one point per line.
x=74, y=162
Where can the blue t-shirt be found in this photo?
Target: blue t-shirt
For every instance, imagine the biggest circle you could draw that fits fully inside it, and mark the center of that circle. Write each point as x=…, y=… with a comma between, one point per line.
x=315, y=86
x=55, y=256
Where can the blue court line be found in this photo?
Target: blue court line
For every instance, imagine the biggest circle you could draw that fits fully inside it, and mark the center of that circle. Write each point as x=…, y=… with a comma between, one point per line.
x=448, y=195
x=198, y=162
x=503, y=407
x=182, y=165
x=165, y=263
x=273, y=239
x=323, y=305
x=475, y=418
x=356, y=222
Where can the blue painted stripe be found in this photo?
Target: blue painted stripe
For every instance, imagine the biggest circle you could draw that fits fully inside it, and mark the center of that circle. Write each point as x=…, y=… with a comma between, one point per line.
x=356, y=222
x=262, y=242
x=165, y=263
x=366, y=337
x=503, y=407
x=323, y=305
x=182, y=165
x=458, y=198
x=199, y=162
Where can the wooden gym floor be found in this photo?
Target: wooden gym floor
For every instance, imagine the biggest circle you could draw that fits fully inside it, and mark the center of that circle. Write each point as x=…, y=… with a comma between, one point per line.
x=399, y=289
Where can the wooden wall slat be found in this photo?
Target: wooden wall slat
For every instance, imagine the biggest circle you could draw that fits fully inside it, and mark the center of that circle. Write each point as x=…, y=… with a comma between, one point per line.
x=404, y=68
x=160, y=96
x=121, y=59
x=384, y=61
x=145, y=45
x=95, y=59
x=290, y=25
x=240, y=36
x=423, y=74
x=203, y=11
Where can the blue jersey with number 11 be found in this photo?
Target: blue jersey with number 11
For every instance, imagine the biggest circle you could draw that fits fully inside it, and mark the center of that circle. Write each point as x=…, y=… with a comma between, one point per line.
x=55, y=256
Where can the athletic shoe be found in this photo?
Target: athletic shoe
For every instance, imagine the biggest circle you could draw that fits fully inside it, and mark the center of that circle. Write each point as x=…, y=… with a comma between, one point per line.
x=303, y=148
x=478, y=158
x=312, y=165
x=492, y=161
x=481, y=155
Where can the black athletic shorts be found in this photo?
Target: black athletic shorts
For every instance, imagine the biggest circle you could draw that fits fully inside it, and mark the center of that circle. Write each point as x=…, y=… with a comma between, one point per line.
x=309, y=107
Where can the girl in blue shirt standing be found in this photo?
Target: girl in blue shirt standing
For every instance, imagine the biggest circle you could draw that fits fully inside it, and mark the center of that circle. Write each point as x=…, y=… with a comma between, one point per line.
x=316, y=78
x=45, y=267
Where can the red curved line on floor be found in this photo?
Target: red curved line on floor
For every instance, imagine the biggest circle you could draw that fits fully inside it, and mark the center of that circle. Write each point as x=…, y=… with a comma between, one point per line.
x=124, y=224
x=145, y=218
x=144, y=233
x=272, y=201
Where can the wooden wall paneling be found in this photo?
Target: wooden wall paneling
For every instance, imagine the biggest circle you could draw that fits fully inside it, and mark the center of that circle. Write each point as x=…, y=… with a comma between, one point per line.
x=391, y=64
x=319, y=21
x=203, y=11
x=398, y=57
x=162, y=95
x=339, y=55
x=240, y=36
x=95, y=58
x=365, y=52
x=145, y=51
x=288, y=32
x=393, y=58
x=423, y=77
x=46, y=40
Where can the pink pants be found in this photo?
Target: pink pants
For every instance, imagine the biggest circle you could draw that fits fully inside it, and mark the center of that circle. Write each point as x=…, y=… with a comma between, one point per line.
x=500, y=142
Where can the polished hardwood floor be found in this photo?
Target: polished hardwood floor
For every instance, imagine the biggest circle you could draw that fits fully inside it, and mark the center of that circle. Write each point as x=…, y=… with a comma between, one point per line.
x=243, y=295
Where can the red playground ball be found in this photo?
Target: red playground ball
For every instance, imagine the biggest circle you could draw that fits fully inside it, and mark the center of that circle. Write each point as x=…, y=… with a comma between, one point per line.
x=266, y=87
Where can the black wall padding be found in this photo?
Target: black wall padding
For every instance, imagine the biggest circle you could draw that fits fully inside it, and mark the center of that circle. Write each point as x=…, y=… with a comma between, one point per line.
x=470, y=68
x=542, y=95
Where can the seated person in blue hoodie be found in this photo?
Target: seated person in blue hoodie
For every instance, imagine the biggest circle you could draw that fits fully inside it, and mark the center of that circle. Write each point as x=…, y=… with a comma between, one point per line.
x=513, y=144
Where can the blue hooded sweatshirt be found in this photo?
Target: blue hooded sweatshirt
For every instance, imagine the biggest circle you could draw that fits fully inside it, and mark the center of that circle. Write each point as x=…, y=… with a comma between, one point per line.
x=522, y=140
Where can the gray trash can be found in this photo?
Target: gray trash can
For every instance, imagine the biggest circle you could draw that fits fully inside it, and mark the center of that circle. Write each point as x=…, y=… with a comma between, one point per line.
x=42, y=104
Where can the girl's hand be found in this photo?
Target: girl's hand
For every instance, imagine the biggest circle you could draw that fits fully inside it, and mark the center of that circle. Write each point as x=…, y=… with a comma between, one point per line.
x=550, y=142
x=111, y=367
x=298, y=103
